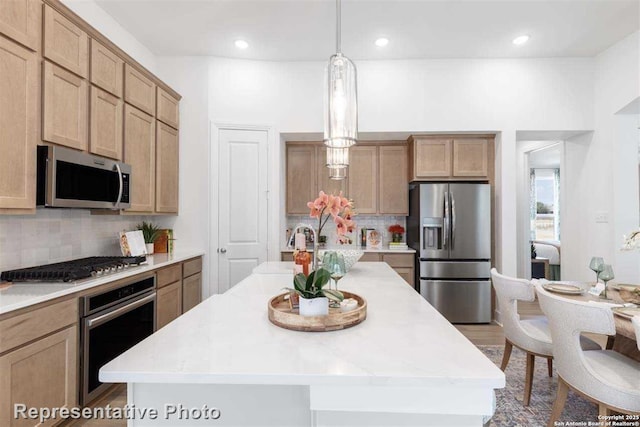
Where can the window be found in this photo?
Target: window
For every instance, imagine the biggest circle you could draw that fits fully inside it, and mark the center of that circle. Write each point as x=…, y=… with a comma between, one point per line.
x=545, y=209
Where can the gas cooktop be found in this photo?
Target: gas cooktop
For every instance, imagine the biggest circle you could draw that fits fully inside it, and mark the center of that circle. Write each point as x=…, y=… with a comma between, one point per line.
x=72, y=270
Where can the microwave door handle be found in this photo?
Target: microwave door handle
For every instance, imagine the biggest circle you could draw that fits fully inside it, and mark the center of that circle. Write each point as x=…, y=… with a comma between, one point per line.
x=453, y=221
x=121, y=186
x=445, y=231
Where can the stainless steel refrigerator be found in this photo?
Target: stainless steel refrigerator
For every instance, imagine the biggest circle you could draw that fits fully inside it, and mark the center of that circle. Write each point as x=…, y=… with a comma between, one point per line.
x=449, y=226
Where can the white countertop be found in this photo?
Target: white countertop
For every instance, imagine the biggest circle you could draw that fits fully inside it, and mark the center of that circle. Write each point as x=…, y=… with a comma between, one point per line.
x=228, y=339
x=384, y=250
x=24, y=294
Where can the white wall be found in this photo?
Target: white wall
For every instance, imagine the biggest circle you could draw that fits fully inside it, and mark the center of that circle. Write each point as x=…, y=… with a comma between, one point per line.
x=103, y=22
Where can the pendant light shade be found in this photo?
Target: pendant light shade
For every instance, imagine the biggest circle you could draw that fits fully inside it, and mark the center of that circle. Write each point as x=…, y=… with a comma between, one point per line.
x=341, y=105
x=337, y=157
x=338, y=173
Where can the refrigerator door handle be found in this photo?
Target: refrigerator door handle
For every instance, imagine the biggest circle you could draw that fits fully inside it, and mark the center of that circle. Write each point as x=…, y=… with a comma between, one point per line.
x=445, y=232
x=453, y=220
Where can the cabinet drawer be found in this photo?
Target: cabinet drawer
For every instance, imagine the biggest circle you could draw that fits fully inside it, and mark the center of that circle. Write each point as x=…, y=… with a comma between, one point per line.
x=139, y=91
x=20, y=329
x=407, y=274
x=399, y=260
x=167, y=108
x=370, y=257
x=191, y=267
x=168, y=275
x=106, y=69
x=65, y=43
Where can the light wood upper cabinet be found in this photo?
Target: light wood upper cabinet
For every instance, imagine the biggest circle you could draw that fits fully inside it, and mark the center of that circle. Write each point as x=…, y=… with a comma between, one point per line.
x=166, y=169
x=431, y=158
x=301, y=178
x=106, y=124
x=65, y=43
x=139, y=91
x=191, y=292
x=18, y=125
x=169, y=304
x=106, y=69
x=21, y=20
x=167, y=108
x=394, y=190
x=326, y=184
x=64, y=107
x=470, y=158
x=140, y=153
x=363, y=178
x=42, y=374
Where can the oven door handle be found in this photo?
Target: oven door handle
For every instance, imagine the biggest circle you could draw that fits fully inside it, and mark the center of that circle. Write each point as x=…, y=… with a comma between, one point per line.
x=120, y=188
x=115, y=313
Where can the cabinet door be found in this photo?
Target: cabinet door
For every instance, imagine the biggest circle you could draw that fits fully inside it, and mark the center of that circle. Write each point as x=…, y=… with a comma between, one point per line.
x=20, y=20
x=140, y=153
x=329, y=186
x=432, y=158
x=167, y=108
x=42, y=374
x=301, y=178
x=106, y=69
x=407, y=274
x=166, y=169
x=65, y=108
x=18, y=125
x=106, y=124
x=65, y=43
x=191, y=292
x=394, y=189
x=139, y=91
x=470, y=158
x=363, y=178
x=169, y=304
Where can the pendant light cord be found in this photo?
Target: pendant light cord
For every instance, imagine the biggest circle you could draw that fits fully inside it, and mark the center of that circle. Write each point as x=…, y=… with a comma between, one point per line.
x=338, y=26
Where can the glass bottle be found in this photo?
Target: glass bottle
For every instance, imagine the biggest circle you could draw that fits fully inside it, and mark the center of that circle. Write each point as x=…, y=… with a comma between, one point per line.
x=301, y=258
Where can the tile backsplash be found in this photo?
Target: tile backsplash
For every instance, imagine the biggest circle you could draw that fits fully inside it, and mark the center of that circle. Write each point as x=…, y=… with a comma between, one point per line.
x=380, y=223
x=55, y=235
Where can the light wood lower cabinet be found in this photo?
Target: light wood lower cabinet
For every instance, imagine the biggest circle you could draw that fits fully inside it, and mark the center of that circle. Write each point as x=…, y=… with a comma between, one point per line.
x=42, y=374
x=140, y=153
x=106, y=124
x=168, y=303
x=21, y=20
x=18, y=125
x=167, y=199
x=65, y=111
x=191, y=291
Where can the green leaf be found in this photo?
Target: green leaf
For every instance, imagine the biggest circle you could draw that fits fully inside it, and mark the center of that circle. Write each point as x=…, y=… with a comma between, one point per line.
x=299, y=282
x=332, y=294
x=310, y=281
x=321, y=278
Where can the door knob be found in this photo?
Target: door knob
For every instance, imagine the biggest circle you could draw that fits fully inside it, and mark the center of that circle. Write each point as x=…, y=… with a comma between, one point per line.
x=223, y=251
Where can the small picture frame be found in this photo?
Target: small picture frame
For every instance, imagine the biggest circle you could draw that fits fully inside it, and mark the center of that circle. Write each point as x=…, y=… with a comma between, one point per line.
x=374, y=239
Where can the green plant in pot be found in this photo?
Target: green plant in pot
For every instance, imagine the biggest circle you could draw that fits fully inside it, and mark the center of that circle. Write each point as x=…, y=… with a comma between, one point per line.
x=314, y=298
x=150, y=233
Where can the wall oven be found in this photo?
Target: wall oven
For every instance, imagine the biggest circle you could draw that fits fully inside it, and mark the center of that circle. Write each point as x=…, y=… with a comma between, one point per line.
x=71, y=179
x=112, y=322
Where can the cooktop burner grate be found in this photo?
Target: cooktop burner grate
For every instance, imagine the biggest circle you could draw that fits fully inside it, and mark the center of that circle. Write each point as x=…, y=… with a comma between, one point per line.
x=72, y=270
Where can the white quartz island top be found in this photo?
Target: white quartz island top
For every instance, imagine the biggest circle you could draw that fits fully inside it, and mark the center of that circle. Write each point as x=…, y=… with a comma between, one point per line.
x=228, y=339
x=20, y=295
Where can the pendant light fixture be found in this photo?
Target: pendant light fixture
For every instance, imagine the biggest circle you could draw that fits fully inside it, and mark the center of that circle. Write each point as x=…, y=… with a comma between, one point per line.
x=337, y=158
x=338, y=173
x=341, y=103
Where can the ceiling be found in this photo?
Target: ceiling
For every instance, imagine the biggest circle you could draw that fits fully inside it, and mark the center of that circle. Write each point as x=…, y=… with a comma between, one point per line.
x=546, y=158
x=302, y=30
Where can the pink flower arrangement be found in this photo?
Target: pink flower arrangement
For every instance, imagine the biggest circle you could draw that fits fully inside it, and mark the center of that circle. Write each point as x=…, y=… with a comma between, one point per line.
x=337, y=207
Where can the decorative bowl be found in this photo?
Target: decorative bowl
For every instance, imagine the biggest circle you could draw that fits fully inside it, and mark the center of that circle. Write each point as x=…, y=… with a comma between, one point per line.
x=351, y=256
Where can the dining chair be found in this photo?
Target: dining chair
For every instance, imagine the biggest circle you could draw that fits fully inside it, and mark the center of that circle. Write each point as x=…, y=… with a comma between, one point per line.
x=605, y=377
x=531, y=335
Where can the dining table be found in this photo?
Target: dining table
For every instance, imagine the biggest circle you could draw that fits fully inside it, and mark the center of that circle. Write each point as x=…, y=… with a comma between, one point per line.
x=625, y=339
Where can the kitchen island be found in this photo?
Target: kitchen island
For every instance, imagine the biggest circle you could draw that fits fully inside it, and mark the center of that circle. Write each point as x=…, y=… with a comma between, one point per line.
x=404, y=365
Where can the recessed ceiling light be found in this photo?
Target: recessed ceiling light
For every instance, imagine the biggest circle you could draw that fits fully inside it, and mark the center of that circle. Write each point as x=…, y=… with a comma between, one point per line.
x=521, y=40
x=382, y=42
x=241, y=44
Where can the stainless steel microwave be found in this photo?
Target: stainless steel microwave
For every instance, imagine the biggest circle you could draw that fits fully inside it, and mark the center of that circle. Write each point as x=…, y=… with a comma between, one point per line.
x=71, y=179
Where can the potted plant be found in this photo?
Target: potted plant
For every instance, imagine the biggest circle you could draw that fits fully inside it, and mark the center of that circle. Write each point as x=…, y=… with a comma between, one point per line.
x=396, y=231
x=314, y=299
x=150, y=233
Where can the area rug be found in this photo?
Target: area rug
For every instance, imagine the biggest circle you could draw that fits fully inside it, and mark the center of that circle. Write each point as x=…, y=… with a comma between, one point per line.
x=509, y=409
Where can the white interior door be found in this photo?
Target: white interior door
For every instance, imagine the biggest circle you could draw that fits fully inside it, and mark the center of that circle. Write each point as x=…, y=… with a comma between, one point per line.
x=242, y=206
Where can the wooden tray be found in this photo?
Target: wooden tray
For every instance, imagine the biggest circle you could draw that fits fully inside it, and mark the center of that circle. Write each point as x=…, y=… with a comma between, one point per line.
x=281, y=314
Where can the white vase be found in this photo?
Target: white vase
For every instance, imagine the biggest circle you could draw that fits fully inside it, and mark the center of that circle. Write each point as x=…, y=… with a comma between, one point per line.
x=149, y=248
x=314, y=306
